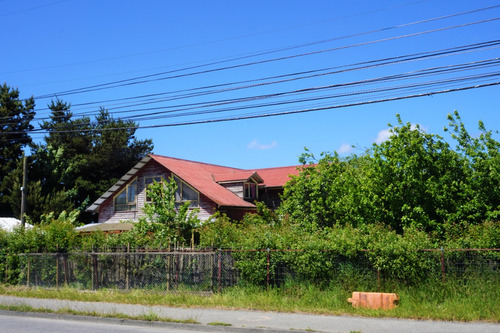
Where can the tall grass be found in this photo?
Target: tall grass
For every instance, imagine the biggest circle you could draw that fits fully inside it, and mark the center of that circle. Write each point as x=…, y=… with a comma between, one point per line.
x=471, y=299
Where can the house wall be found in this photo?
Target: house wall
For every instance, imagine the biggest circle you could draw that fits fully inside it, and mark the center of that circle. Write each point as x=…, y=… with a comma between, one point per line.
x=236, y=213
x=236, y=188
x=153, y=169
x=271, y=196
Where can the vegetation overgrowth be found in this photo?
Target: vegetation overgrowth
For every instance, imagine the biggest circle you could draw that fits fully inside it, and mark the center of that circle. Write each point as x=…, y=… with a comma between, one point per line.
x=414, y=191
x=459, y=302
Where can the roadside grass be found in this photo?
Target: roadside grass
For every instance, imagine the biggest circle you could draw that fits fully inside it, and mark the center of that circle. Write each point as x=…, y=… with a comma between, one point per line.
x=476, y=299
x=145, y=317
x=219, y=323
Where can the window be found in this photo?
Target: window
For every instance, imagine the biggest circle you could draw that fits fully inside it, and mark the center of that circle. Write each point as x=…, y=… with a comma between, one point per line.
x=148, y=181
x=249, y=190
x=185, y=193
x=125, y=200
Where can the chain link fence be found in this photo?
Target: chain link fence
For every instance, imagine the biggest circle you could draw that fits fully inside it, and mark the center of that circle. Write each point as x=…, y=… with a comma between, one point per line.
x=213, y=270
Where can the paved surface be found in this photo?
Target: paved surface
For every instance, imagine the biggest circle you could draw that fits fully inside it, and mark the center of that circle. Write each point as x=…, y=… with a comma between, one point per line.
x=257, y=320
x=27, y=323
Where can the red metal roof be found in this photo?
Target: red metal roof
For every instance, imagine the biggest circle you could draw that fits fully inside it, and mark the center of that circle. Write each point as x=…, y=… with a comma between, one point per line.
x=201, y=177
x=204, y=177
x=238, y=176
x=278, y=177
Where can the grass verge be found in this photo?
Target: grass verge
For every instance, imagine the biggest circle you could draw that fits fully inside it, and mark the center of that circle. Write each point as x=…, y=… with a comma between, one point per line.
x=146, y=317
x=475, y=300
x=219, y=323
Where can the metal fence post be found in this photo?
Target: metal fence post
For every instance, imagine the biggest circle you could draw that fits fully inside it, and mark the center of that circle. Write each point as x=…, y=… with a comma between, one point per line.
x=57, y=270
x=443, y=274
x=28, y=274
x=95, y=283
x=66, y=269
x=176, y=269
x=268, y=262
x=127, y=268
x=219, y=274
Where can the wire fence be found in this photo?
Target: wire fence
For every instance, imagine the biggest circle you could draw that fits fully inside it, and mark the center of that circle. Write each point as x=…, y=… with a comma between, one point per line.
x=214, y=270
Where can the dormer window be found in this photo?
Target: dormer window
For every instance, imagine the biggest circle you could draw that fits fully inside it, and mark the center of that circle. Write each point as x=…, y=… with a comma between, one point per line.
x=249, y=191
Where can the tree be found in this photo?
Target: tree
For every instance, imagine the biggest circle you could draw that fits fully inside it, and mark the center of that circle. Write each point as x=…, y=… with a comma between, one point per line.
x=413, y=180
x=331, y=191
x=15, y=124
x=81, y=159
x=417, y=177
x=168, y=222
x=481, y=159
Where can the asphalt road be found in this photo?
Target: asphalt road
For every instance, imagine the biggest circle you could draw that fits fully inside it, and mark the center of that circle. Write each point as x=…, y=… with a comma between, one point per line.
x=27, y=324
x=240, y=321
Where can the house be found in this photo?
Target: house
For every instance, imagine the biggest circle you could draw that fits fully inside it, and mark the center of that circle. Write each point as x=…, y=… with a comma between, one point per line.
x=209, y=188
x=10, y=223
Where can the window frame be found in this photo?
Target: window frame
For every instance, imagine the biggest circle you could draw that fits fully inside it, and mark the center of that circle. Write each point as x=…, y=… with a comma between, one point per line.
x=180, y=183
x=128, y=205
x=249, y=185
x=153, y=178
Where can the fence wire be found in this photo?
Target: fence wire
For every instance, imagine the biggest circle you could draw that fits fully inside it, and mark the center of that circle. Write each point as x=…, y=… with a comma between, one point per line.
x=218, y=269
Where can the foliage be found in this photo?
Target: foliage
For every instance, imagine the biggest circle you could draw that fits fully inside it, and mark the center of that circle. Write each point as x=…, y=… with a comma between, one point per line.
x=330, y=191
x=481, y=157
x=418, y=178
x=398, y=257
x=15, y=124
x=219, y=232
x=81, y=158
x=165, y=223
x=412, y=180
x=345, y=254
x=346, y=220
x=454, y=301
x=52, y=235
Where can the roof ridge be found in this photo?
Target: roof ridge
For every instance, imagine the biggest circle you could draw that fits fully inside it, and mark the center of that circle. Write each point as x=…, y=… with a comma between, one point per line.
x=273, y=168
x=196, y=162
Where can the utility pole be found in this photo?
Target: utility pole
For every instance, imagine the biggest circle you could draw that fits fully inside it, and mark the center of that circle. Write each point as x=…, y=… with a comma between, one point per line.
x=23, y=193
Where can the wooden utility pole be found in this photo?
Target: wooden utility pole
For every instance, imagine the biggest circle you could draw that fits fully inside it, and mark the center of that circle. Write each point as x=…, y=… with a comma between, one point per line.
x=23, y=193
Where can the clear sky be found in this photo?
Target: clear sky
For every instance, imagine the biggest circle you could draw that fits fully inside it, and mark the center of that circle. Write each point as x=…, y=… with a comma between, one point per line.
x=184, y=62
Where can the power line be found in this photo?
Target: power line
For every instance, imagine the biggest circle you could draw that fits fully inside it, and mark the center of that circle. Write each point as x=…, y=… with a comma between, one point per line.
x=149, y=78
x=225, y=39
x=412, y=74
x=441, y=70
x=294, y=76
x=243, y=117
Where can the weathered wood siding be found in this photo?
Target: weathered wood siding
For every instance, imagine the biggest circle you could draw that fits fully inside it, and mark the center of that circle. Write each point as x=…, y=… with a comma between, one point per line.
x=236, y=188
x=153, y=169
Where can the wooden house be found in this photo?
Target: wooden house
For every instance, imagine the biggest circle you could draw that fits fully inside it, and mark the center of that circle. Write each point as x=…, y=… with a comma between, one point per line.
x=207, y=187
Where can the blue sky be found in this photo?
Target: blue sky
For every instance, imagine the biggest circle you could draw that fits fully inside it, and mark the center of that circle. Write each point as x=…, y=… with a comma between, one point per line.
x=239, y=49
